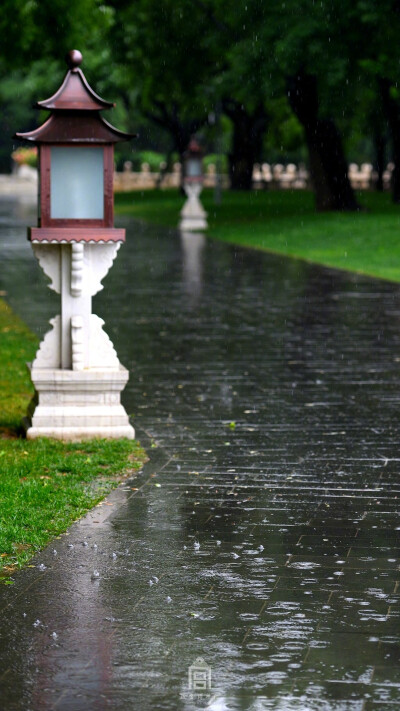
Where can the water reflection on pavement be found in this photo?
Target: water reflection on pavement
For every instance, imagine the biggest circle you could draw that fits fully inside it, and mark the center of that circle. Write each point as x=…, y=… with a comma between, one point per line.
x=256, y=560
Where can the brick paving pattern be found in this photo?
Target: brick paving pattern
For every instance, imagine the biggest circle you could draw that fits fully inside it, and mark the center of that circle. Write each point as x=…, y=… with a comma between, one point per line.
x=263, y=534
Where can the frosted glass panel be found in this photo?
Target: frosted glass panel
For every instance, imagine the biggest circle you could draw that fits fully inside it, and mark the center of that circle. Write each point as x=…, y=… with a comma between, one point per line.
x=77, y=183
x=193, y=168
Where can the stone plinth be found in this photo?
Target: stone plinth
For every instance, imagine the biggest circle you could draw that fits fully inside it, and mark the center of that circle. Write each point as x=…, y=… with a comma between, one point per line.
x=75, y=405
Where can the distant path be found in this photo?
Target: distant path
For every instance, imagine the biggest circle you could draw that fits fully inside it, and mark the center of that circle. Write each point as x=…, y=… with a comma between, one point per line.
x=11, y=185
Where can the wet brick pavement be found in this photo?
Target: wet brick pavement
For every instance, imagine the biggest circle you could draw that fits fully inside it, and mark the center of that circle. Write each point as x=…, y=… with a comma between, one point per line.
x=263, y=534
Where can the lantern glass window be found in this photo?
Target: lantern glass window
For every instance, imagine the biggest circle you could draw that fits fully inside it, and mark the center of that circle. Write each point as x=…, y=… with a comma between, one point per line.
x=193, y=167
x=77, y=183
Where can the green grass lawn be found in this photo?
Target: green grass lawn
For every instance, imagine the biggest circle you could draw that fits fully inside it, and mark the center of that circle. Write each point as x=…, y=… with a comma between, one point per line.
x=285, y=222
x=45, y=485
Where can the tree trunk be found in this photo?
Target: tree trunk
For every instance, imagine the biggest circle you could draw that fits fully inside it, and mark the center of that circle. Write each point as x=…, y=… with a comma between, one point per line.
x=328, y=166
x=392, y=112
x=248, y=131
x=380, y=151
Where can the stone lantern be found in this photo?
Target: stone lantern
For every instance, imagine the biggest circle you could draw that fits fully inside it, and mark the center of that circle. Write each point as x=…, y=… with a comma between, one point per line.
x=193, y=215
x=77, y=376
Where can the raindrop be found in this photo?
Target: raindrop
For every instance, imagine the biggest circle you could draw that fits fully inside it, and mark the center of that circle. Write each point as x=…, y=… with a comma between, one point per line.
x=151, y=582
x=260, y=548
x=235, y=555
x=94, y=546
x=54, y=635
x=54, y=552
x=95, y=575
x=37, y=623
x=218, y=543
x=196, y=545
x=70, y=545
x=42, y=566
x=169, y=599
x=304, y=565
x=84, y=543
x=113, y=556
x=155, y=578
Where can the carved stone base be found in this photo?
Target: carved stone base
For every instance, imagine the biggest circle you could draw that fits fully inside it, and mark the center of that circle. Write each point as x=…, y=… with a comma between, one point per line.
x=74, y=405
x=193, y=215
x=192, y=224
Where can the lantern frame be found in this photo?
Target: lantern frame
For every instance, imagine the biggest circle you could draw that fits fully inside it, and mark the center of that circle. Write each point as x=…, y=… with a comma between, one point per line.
x=195, y=153
x=75, y=122
x=45, y=218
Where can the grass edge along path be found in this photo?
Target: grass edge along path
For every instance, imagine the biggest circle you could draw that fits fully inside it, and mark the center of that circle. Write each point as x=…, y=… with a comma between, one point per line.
x=285, y=222
x=45, y=485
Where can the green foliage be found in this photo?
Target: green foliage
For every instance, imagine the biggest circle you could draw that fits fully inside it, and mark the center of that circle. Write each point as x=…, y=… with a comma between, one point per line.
x=284, y=141
x=217, y=160
x=152, y=158
x=169, y=65
x=25, y=156
x=34, y=30
x=163, y=48
x=18, y=346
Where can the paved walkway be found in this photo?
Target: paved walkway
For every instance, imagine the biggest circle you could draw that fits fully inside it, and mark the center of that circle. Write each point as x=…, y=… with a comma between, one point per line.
x=262, y=535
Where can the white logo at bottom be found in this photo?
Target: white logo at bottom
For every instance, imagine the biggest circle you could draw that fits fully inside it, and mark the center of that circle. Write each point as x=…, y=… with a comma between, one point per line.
x=199, y=674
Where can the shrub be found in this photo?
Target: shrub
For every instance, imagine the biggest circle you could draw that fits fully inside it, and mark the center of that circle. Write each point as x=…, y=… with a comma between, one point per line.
x=25, y=156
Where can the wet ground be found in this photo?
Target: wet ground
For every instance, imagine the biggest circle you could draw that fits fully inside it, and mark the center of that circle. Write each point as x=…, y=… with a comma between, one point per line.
x=262, y=536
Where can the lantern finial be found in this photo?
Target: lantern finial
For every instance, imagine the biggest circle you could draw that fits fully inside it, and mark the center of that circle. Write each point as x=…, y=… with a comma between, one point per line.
x=74, y=58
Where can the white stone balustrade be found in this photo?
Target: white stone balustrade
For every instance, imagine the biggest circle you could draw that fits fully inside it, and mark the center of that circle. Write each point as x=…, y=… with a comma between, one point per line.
x=265, y=175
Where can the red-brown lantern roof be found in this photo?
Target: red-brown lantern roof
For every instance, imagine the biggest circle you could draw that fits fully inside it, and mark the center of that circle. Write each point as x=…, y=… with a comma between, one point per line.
x=75, y=113
x=76, y=94
x=77, y=127
x=194, y=148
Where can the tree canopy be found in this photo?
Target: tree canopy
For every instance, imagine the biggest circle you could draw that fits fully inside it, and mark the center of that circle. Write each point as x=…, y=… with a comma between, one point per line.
x=312, y=78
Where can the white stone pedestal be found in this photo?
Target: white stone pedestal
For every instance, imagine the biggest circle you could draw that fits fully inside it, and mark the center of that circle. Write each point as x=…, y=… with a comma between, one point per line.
x=76, y=405
x=77, y=376
x=193, y=215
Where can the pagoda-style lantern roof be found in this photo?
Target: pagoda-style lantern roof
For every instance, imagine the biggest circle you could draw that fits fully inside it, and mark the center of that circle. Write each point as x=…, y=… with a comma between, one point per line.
x=194, y=149
x=75, y=92
x=75, y=116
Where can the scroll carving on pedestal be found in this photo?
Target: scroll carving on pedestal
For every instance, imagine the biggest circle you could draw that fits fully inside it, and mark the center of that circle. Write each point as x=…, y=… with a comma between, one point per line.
x=77, y=268
x=78, y=353
x=48, y=355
